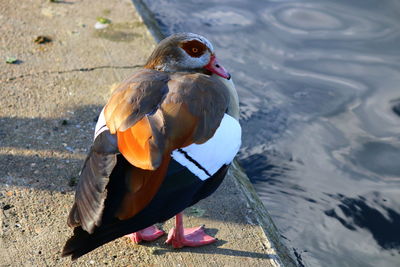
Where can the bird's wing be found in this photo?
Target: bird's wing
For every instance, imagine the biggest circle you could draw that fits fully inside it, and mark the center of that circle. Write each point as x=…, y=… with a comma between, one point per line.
x=137, y=96
x=91, y=190
x=199, y=99
x=128, y=111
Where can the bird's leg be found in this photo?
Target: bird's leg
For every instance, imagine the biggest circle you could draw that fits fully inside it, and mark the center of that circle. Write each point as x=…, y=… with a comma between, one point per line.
x=147, y=234
x=189, y=237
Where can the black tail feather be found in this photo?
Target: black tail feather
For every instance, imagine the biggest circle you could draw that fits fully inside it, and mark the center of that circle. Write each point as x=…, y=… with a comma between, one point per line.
x=82, y=242
x=79, y=244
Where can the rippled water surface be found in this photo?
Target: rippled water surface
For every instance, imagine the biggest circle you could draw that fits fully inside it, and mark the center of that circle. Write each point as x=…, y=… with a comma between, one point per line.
x=319, y=86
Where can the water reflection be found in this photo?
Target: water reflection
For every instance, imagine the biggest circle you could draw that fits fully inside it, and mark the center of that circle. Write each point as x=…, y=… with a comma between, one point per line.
x=226, y=18
x=319, y=89
x=328, y=20
x=396, y=107
x=380, y=158
x=381, y=221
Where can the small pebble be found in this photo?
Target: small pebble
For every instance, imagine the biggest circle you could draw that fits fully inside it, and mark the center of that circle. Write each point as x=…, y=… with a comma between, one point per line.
x=7, y=207
x=72, y=181
x=70, y=149
x=100, y=26
x=42, y=39
x=12, y=60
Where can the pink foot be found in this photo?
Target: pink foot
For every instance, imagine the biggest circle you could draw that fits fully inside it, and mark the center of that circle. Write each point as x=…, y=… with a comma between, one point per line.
x=191, y=237
x=148, y=234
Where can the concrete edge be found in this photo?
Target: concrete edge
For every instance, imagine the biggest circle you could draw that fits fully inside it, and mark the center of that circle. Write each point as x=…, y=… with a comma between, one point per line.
x=241, y=180
x=263, y=218
x=149, y=20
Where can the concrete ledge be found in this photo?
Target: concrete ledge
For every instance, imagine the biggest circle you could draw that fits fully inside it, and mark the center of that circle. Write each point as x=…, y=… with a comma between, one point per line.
x=263, y=218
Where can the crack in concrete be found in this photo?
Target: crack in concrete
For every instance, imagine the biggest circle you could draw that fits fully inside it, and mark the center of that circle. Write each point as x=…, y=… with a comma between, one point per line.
x=86, y=69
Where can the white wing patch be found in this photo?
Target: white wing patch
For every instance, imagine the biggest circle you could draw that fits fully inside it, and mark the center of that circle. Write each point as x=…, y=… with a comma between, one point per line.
x=220, y=150
x=100, y=125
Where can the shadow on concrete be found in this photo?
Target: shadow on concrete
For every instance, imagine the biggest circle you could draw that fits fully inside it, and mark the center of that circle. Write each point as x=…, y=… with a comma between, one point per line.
x=217, y=250
x=162, y=249
x=46, y=153
x=62, y=2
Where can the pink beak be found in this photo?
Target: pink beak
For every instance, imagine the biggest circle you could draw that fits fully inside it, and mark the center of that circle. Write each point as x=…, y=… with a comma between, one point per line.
x=216, y=68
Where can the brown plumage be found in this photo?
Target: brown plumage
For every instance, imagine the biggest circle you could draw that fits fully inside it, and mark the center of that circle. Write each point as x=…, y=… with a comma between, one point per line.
x=135, y=97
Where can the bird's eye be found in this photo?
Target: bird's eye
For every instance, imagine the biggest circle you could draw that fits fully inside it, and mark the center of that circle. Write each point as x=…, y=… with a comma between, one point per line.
x=194, y=48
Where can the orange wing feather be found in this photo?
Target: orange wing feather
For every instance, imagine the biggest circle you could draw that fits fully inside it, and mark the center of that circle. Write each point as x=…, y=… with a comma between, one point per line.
x=134, y=144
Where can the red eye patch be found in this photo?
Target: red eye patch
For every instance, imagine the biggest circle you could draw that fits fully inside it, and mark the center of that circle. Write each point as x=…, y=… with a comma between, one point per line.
x=194, y=48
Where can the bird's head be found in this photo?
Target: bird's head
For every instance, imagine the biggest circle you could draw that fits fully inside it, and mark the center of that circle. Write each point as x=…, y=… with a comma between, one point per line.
x=186, y=52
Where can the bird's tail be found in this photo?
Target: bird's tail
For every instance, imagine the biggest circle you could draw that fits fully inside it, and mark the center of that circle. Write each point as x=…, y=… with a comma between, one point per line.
x=82, y=242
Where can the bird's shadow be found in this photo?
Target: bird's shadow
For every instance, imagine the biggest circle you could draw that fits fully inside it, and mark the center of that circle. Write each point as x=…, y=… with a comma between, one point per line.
x=161, y=248
x=63, y=2
x=217, y=250
x=46, y=153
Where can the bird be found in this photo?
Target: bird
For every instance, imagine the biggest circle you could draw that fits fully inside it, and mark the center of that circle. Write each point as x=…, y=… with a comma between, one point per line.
x=164, y=140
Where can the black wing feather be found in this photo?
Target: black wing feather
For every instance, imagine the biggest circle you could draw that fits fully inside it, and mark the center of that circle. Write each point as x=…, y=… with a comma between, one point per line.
x=91, y=190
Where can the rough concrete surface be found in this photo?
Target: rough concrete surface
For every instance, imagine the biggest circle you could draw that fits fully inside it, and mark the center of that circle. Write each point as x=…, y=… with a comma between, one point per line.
x=49, y=102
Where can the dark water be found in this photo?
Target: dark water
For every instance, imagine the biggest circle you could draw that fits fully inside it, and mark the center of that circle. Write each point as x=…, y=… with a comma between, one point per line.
x=319, y=85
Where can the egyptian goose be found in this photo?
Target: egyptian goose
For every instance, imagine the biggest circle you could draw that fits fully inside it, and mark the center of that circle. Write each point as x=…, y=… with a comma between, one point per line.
x=164, y=141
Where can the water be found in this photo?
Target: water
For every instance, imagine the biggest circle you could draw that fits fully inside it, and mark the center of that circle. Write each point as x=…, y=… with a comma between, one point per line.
x=319, y=86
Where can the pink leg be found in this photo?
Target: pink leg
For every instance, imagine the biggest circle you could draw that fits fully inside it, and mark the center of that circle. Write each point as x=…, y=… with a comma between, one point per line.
x=190, y=237
x=148, y=234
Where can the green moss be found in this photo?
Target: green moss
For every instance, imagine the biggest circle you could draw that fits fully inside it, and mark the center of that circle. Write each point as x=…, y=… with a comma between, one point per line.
x=11, y=60
x=73, y=181
x=195, y=212
x=103, y=20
